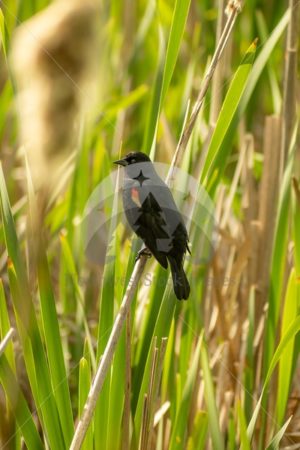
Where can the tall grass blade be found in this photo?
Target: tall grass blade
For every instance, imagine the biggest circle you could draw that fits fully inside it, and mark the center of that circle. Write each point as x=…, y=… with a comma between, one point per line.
x=292, y=330
x=51, y=331
x=274, y=444
x=209, y=393
x=84, y=386
x=5, y=327
x=19, y=407
x=35, y=358
x=290, y=311
x=166, y=65
x=217, y=153
x=179, y=426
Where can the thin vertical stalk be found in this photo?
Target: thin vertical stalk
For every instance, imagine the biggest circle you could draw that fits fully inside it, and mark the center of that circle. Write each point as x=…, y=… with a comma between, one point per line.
x=289, y=87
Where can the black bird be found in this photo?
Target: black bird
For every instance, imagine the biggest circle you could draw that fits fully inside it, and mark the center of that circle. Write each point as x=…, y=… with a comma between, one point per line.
x=153, y=215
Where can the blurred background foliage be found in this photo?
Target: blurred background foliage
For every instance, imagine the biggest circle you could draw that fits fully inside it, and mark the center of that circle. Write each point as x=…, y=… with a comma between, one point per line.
x=201, y=387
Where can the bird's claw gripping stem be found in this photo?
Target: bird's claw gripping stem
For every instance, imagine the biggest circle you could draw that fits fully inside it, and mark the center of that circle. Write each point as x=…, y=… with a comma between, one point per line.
x=143, y=252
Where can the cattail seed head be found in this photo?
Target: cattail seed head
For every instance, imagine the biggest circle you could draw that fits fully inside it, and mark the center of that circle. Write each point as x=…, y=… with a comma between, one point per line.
x=54, y=59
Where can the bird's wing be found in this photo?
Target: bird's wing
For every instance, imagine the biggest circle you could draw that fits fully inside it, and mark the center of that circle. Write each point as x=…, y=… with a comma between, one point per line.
x=165, y=199
x=151, y=227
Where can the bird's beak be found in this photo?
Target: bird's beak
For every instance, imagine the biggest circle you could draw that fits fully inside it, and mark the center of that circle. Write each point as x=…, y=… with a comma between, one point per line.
x=121, y=162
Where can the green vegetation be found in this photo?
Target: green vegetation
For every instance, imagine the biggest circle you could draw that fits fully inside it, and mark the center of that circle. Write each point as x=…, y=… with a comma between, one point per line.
x=219, y=370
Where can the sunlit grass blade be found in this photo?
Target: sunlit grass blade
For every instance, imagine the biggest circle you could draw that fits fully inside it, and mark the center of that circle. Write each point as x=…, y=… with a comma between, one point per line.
x=161, y=329
x=53, y=341
x=290, y=311
x=258, y=67
x=274, y=444
x=197, y=440
x=263, y=58
x=84, y=386
x=19, y=407
x=278, y=256
x=2, y=33
x=10, y=234
x=5, y=102
x=296, y=223
x=180, y=15
x=118, y=376
x=168, y=376
x=154, y=104
x=51, y=331
x=245, y=443
x=69, y=267
x=209, y=393
x=22, y=324
x=113, y=109
x=159, y=280
x=217, y=153
x=179, y=426
x=166, y=65
x=232, y=433
x=188, y=333
x=36, y=364
x=35, y=358
x=4, y=328
x=249, y=358
x=290, y=334
x=275, y=90
x=277, y=268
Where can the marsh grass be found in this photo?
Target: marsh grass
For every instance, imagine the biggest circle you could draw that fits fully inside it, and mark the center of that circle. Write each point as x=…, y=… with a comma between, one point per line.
x=220, y=370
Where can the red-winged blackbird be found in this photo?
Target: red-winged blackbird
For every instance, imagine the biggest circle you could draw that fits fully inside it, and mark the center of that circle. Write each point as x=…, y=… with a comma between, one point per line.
x=153, y=215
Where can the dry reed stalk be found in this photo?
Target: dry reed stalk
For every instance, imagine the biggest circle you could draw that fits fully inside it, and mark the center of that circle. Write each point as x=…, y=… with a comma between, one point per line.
x=169, y=142
x=126, y=413
x=209, y=305
x=210, y=329
x=258, y=344
x=167, y=435
x=222, y=378
x=233, y=186
x=144, y=436
x=242, y=358
x=224, y=322
x=156, y=373
x=226, y=409
x=144, y=423
x=290, y=79
x=237, y=271
x=268, y=197
x=249, y=193
x=194, y=406
x=220, y=300
x=231, y=254
x=233, y=8
x=250, y=208
x=160, y=413
x=236, y=311
x=6, y=340
x=217, y=80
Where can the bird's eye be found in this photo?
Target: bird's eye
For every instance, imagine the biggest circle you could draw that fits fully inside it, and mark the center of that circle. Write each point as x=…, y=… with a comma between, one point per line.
x=133, y=160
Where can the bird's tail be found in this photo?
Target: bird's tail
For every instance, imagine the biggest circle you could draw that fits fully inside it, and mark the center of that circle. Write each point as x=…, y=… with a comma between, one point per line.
x=180, y=281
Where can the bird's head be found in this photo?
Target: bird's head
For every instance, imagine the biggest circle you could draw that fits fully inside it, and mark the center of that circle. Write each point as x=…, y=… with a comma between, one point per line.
x=133, y=158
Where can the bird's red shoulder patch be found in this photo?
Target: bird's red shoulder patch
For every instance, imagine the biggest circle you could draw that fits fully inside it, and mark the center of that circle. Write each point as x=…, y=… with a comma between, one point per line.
x=135, y=196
